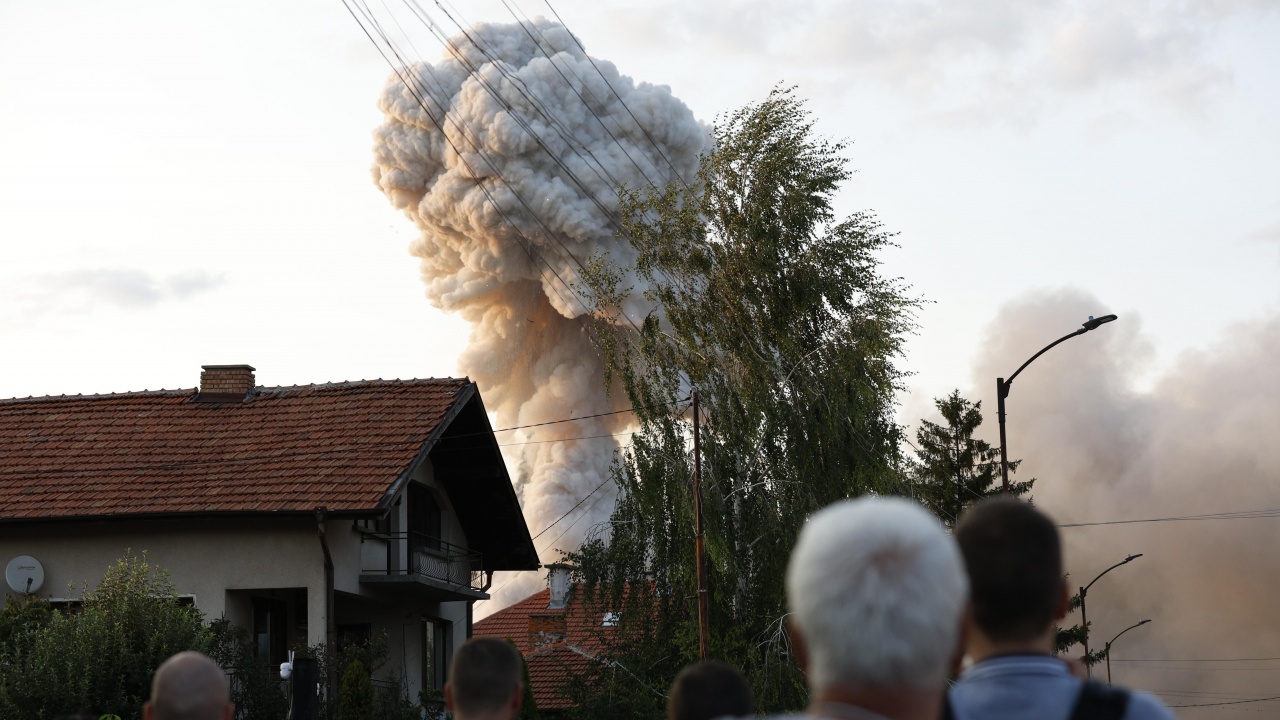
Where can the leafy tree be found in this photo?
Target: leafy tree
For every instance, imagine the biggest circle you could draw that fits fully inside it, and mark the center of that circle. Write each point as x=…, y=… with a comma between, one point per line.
x=1069, y=637
x=391, y=699
x=956, y=469
x=255, y=689
x=357, y=700
x=776, y=312
x=102, y=657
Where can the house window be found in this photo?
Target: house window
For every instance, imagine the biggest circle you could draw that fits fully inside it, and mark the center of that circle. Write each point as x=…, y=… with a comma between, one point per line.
x=424, y=518
x=435, y=653
x=270, y=638
x=356, y=635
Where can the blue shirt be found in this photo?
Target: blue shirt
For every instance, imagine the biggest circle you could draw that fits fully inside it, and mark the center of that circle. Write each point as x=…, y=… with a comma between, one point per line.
x=1031, y=687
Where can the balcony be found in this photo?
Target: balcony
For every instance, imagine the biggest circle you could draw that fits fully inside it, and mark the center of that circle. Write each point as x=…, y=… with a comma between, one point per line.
x=420, y=562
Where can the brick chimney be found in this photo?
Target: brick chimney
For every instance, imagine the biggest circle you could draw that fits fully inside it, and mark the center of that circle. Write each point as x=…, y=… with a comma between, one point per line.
x=226, y=383
x=546, y=630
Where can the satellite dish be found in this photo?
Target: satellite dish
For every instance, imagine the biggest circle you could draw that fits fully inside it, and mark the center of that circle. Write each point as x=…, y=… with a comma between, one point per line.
x=24, y=574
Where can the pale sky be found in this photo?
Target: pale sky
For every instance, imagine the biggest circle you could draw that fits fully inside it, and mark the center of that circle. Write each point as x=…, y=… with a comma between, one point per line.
x=184, y=185
x=188, y=184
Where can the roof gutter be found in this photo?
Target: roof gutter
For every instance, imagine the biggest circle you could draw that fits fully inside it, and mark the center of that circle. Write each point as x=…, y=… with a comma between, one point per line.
x=196, y=515
x=331, y=628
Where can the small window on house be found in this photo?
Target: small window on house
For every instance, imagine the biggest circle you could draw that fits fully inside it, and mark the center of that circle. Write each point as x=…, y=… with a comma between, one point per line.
x=355, y=635
x=424, y=518
x=435, y=654
x=611, y=619
x=66, y=606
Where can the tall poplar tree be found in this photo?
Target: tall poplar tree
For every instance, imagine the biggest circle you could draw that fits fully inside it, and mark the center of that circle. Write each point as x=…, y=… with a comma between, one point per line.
x=776, y=311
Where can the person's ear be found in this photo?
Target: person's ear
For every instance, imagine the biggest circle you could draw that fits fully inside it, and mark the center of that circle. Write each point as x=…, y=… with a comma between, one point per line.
x=517, y=700
x=448, y=696
x=798, y=648
x=230, y=713
x=146, y=710
x=1064, y=601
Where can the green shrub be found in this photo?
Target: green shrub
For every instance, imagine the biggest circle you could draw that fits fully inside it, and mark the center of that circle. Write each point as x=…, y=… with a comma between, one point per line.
x=356, y=700
x=102, y=657
x=255, y=688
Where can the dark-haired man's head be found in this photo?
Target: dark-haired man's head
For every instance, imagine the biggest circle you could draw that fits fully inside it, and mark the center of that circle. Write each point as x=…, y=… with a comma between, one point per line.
x=484, y=681
x=1014, y=558
x=708, y=690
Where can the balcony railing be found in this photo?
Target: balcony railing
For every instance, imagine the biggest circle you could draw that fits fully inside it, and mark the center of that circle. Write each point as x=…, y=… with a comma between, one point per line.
x=418, y=554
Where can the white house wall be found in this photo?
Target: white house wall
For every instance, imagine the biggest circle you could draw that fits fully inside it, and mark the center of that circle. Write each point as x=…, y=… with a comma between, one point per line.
x=204, y=558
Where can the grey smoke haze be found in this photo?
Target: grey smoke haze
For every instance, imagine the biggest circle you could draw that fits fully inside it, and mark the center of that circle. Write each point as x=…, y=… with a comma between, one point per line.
x=441, y=165
x=1203, y=439
x=80, y=291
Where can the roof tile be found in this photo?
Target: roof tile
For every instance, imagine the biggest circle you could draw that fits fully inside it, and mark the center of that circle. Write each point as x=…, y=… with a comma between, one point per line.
x=286, y=449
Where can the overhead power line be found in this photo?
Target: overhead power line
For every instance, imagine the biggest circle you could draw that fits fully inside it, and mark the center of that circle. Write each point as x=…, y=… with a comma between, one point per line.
x=1230, y=515
x=1193, y=660
x=1228, y=702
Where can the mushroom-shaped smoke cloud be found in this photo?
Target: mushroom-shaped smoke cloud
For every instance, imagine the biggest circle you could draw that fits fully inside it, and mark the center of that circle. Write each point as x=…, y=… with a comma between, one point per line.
x=508, y=154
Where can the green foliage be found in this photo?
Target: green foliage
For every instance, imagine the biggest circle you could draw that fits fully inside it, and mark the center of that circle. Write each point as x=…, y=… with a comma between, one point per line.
x=356, y=700
x=1068, y=637
x=776, y=312
x=102, y=657
x=256, y=689
x=956, y=469
x=391, y=700
x=21, y=617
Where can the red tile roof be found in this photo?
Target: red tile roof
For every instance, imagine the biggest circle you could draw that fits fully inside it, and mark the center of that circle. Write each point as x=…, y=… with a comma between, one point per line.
x=551, y=667
x=551, y=670
x=339, y=445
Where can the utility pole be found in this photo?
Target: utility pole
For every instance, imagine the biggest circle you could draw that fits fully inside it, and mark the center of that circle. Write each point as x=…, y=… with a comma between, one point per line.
x=699, y=542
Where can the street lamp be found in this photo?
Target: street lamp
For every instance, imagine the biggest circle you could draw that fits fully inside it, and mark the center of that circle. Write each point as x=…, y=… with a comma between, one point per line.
x=1107, y=652
x=1002, y=388
x=1084, y=614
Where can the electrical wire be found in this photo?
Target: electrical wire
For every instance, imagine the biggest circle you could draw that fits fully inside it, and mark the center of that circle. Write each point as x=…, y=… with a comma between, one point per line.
x=525, y=243
x=1230, y=515
x=575, y=507
x=1227, y=702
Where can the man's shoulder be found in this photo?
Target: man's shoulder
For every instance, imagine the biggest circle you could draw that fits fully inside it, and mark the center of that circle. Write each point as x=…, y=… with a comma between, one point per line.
x=1144, y=706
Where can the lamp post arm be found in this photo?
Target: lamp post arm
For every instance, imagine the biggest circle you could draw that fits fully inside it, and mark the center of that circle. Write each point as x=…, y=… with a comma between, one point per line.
x=1046, y=349
x=1117, y=637
x=1085, y=590
x=1107, y=652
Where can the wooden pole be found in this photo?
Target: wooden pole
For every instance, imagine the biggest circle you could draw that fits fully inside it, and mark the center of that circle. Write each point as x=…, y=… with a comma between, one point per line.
x=699, y=543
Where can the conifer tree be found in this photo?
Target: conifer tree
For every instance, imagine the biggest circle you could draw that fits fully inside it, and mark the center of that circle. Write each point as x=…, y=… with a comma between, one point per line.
x=955, y=468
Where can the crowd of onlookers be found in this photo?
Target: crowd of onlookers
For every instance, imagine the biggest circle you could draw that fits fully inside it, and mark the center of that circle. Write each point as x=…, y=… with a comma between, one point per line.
x=891, y=618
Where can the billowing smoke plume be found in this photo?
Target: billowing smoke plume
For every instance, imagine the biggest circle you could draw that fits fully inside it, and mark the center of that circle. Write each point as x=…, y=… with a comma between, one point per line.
x=1204, y=439
x=510, y=194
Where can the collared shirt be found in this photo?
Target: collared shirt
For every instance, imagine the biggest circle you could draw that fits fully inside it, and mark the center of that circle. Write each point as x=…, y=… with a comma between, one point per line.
x=1027, y=687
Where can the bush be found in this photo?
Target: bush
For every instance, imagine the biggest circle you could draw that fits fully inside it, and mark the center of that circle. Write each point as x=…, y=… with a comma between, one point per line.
x=255, y=688
x=391, y=701
x=356, y=701
x=102, y=657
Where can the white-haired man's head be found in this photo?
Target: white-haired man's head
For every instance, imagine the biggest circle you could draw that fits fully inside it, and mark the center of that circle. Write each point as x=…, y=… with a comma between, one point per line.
x=876, y=589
